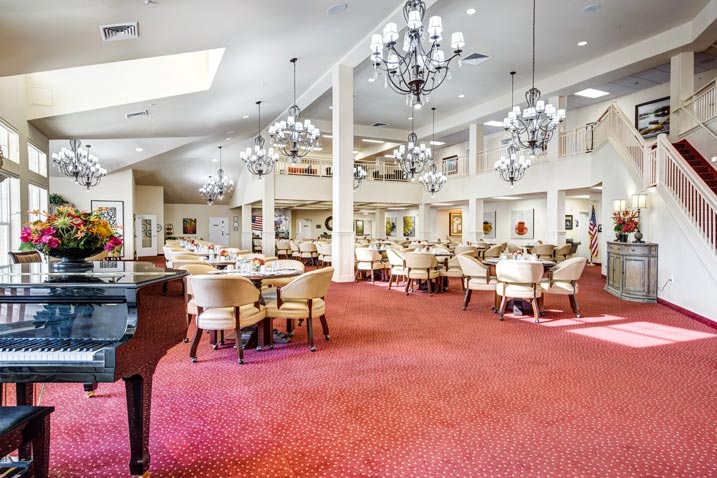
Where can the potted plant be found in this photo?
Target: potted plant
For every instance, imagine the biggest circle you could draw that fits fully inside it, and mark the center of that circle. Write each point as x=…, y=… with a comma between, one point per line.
x=624, y=222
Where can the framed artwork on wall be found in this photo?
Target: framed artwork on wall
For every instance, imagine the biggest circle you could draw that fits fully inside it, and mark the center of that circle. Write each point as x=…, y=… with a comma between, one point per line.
x=409, y=226
x=114, y=212
x=358, y=227
x=189, y=225
x=455, y=224
x=489, y=224
x=568, y=222
x=653, y=117
x=391, y=228
x=521, y=224
x=450, y=165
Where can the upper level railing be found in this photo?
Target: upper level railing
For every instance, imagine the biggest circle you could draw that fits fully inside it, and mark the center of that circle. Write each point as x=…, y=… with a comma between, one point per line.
x=701, y=106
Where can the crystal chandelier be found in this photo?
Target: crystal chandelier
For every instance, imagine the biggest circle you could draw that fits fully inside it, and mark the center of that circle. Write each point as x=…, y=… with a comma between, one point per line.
x=535, y=129
x=259, y=161
x=292, y=138
x=433, y=180
x=420, y=70
x=359, y=175
x=79, y=164
x=414, y=158
x=512, y=166
x=214, y=188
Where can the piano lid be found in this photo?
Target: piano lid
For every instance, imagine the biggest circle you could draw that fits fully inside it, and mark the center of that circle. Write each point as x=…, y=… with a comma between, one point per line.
x=104, y=273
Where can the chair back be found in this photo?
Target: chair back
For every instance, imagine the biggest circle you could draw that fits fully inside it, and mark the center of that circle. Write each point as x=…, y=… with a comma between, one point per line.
x=24, y=257
x=288, y=264
x=250, y=256
x=544, y=251
x=563, y=251
x=185, y=257
x=470, y=250
x=364, y=254
x=293, y=246
x=421, y=260
x=282, y=245
x=307, y=247
x=510, y=247
x=235, y=250
x=222, y=291
x=493, y=251
x=471, y=266
x=519, y=272
x=310, y=285
x=569, y=270
x=194, y=269
x=395, y=258
x=178, y=264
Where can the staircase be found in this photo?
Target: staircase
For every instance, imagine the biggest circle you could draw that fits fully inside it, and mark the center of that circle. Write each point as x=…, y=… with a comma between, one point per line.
x=699, y=164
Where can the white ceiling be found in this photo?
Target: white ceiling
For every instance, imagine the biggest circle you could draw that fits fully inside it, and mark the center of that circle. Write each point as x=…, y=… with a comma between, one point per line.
x=260, y=37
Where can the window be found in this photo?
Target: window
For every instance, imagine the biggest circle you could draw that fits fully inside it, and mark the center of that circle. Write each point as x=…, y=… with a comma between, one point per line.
x=37, y=160
x=36, y=201
x=9, y=143
x=9, y=218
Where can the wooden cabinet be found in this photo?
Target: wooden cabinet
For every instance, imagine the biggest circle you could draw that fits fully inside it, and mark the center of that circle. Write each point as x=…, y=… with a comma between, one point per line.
x=632, y=271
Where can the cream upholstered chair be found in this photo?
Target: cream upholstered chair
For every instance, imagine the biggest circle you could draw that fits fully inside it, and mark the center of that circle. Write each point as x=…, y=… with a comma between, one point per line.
x=563, y=252
x=283, y=264
x=477, y=277
x=563, y=280
x=283, y=249
x=368, y=260
x=243, y=257
x=324, y=251
x=544, y=251
x=294, y=247
x=519, y=280
x=452, y=269
x=471, y=250
x=196, y=268
x=256, y=245
x=493, y=251
x=227, y=302
x=510, y=247
x=185, y=257
x=397, y=264
x=303, y=298
x=235, y=250
x=421, y=266
x=309, y=252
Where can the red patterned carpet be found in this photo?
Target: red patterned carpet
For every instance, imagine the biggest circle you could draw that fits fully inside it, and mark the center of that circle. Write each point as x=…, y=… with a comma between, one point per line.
x=415, y=387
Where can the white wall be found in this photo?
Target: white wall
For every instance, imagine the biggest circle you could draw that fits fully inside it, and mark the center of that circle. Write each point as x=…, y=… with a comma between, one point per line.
x=149, y=200
x=118, y=186
x=175, y=213
x=503, y=211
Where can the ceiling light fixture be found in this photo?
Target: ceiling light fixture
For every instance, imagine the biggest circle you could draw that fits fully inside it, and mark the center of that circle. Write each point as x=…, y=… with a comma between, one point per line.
x=582, y=43
x=433, y=180
x=214, y=188
x=359, y=175
x=471, y=11
x=418, y=71
x=139, y=150
x=337, y=9
x=436, y=143
x=245, y=117
x=412, y=158
x=461, y=96
x=292, y=138
x=259, y=161
x=367, y=140
x=78, y=163
x=591, y=93
x=497, y=124
x=535, y=129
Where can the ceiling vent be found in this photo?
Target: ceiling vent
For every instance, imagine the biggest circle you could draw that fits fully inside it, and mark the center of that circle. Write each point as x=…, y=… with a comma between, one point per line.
x=378, y=124
x=137, y=114
x=475, y=59
x=119, y=31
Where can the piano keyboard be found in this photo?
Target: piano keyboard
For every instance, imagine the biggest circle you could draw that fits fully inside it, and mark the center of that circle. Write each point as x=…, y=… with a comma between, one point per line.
x=51, y=350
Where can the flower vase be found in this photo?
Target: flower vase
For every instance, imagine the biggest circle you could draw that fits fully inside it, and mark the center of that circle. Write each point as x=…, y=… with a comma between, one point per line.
x=73, y=260
x=622, y=237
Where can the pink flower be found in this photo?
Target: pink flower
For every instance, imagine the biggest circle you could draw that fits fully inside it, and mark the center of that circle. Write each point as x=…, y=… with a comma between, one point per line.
x=26, y=234
x=77, y=221
x=113, y=243
x=53, y=242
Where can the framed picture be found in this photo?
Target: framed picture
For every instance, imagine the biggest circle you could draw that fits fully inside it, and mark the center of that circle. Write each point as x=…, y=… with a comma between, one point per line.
x=653, y=118
x=114, y=212
x=489, y=224
x=409, y=226
x=189, y=225
x=599, y=227
x=236, y=218
x=568, y=222
x=236, y=228
x=391, y=228
x=450, y=165
x=329, y=223
x=358, y=227
x=521, y=224
x=455, y=224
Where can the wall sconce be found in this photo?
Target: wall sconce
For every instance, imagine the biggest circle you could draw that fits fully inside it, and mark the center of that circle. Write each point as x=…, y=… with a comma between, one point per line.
x=619, y=204
x=639, y=201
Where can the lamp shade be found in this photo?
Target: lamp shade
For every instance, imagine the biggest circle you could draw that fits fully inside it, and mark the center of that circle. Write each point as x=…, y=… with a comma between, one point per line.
x=639, y=201
x=619, y=204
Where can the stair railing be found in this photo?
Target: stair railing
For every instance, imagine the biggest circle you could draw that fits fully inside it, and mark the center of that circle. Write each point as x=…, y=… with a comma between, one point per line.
x=701, y=107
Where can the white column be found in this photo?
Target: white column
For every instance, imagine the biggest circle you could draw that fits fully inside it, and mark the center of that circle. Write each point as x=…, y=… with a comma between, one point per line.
x=560, y=102
x=246, y=227
x=267, y=212
x=682, y=86
x=424, y=228
x=555, y=217
x=379, y=224
x=342, y=238
x=475, y=146
x=473, y=220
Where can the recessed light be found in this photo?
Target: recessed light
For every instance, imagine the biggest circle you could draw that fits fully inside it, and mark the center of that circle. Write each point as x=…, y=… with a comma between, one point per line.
x=214, y=160
x=417, y=106
x=497, y=124
x=371, y=79
x=366, y=140
x=506, y=198
x=461, y=96
x=597, y=188
x=437, y=143
x=591, y=93
x=230, y=132
x=471, y=11
x=355, y=152
x=582, y=43
x=139, y=150
x=442, y=204
x=331, y=107
x=245, y=116
x=227, y=139
x=410, y=118
x=337, y=9
x=317, y=148
x=579, y=196
x=592, y=8
x=328, y=136
x=713, y=159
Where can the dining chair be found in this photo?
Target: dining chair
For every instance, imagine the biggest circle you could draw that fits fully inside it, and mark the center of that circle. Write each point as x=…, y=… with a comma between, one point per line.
x=563, y=280
x=283, y=264
x=519, y=280
x=194, y=268
x=303, y=299
x=493, y=252
x=283, y=249
x=309, y=252
x=368, y=260
x=471, y=250
x=544, y=251
x=25, y=257
x=452, y=268
x=477, y=277
x=227, y=302
x=510, y=247
x=421, y=266
x=563, y=252
x=256, y=245
x=397, y=264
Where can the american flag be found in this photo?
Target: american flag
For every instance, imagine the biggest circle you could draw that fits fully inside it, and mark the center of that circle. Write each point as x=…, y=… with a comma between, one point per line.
x=257, y=223
x=593, y=233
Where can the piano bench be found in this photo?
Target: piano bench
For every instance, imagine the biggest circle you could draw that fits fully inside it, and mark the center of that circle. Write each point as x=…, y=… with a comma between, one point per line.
x=20, y=426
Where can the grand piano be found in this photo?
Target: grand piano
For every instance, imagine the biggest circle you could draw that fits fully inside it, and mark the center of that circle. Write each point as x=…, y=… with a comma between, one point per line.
x=107, y=324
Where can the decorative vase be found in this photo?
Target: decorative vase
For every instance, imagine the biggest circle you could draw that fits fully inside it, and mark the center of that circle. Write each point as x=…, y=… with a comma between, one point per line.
x=638, y=236
x=73, y=260
x=622, y=237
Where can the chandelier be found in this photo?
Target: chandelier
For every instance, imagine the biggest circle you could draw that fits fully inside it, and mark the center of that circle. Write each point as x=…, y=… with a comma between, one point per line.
x=419, y=70
x=433, y=180
x=535, y=129
x=413, y=158
x=359, y=175
x=79, y=164
x=512, y=166
x=292, y=138
x=259, y=161
x=214, y=188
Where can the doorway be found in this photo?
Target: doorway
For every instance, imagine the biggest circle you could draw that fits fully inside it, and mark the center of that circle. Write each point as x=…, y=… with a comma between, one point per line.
x=145, y=227
x=219, y=230
x=582, y=235
x=304, y=231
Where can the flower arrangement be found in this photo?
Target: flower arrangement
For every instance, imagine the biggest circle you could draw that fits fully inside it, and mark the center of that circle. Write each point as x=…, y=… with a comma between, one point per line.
x=223, y=253
x=257, y=262
x=70, y=229
x=625, y=221
x=517, y=254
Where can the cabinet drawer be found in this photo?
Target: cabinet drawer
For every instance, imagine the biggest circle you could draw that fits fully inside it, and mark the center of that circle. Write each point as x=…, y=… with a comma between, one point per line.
x=614, y=248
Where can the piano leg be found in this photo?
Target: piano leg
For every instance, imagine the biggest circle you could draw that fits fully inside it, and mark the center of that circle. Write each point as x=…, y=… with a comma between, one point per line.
x=90, y=389
x=139, y=402
x=24, y=395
